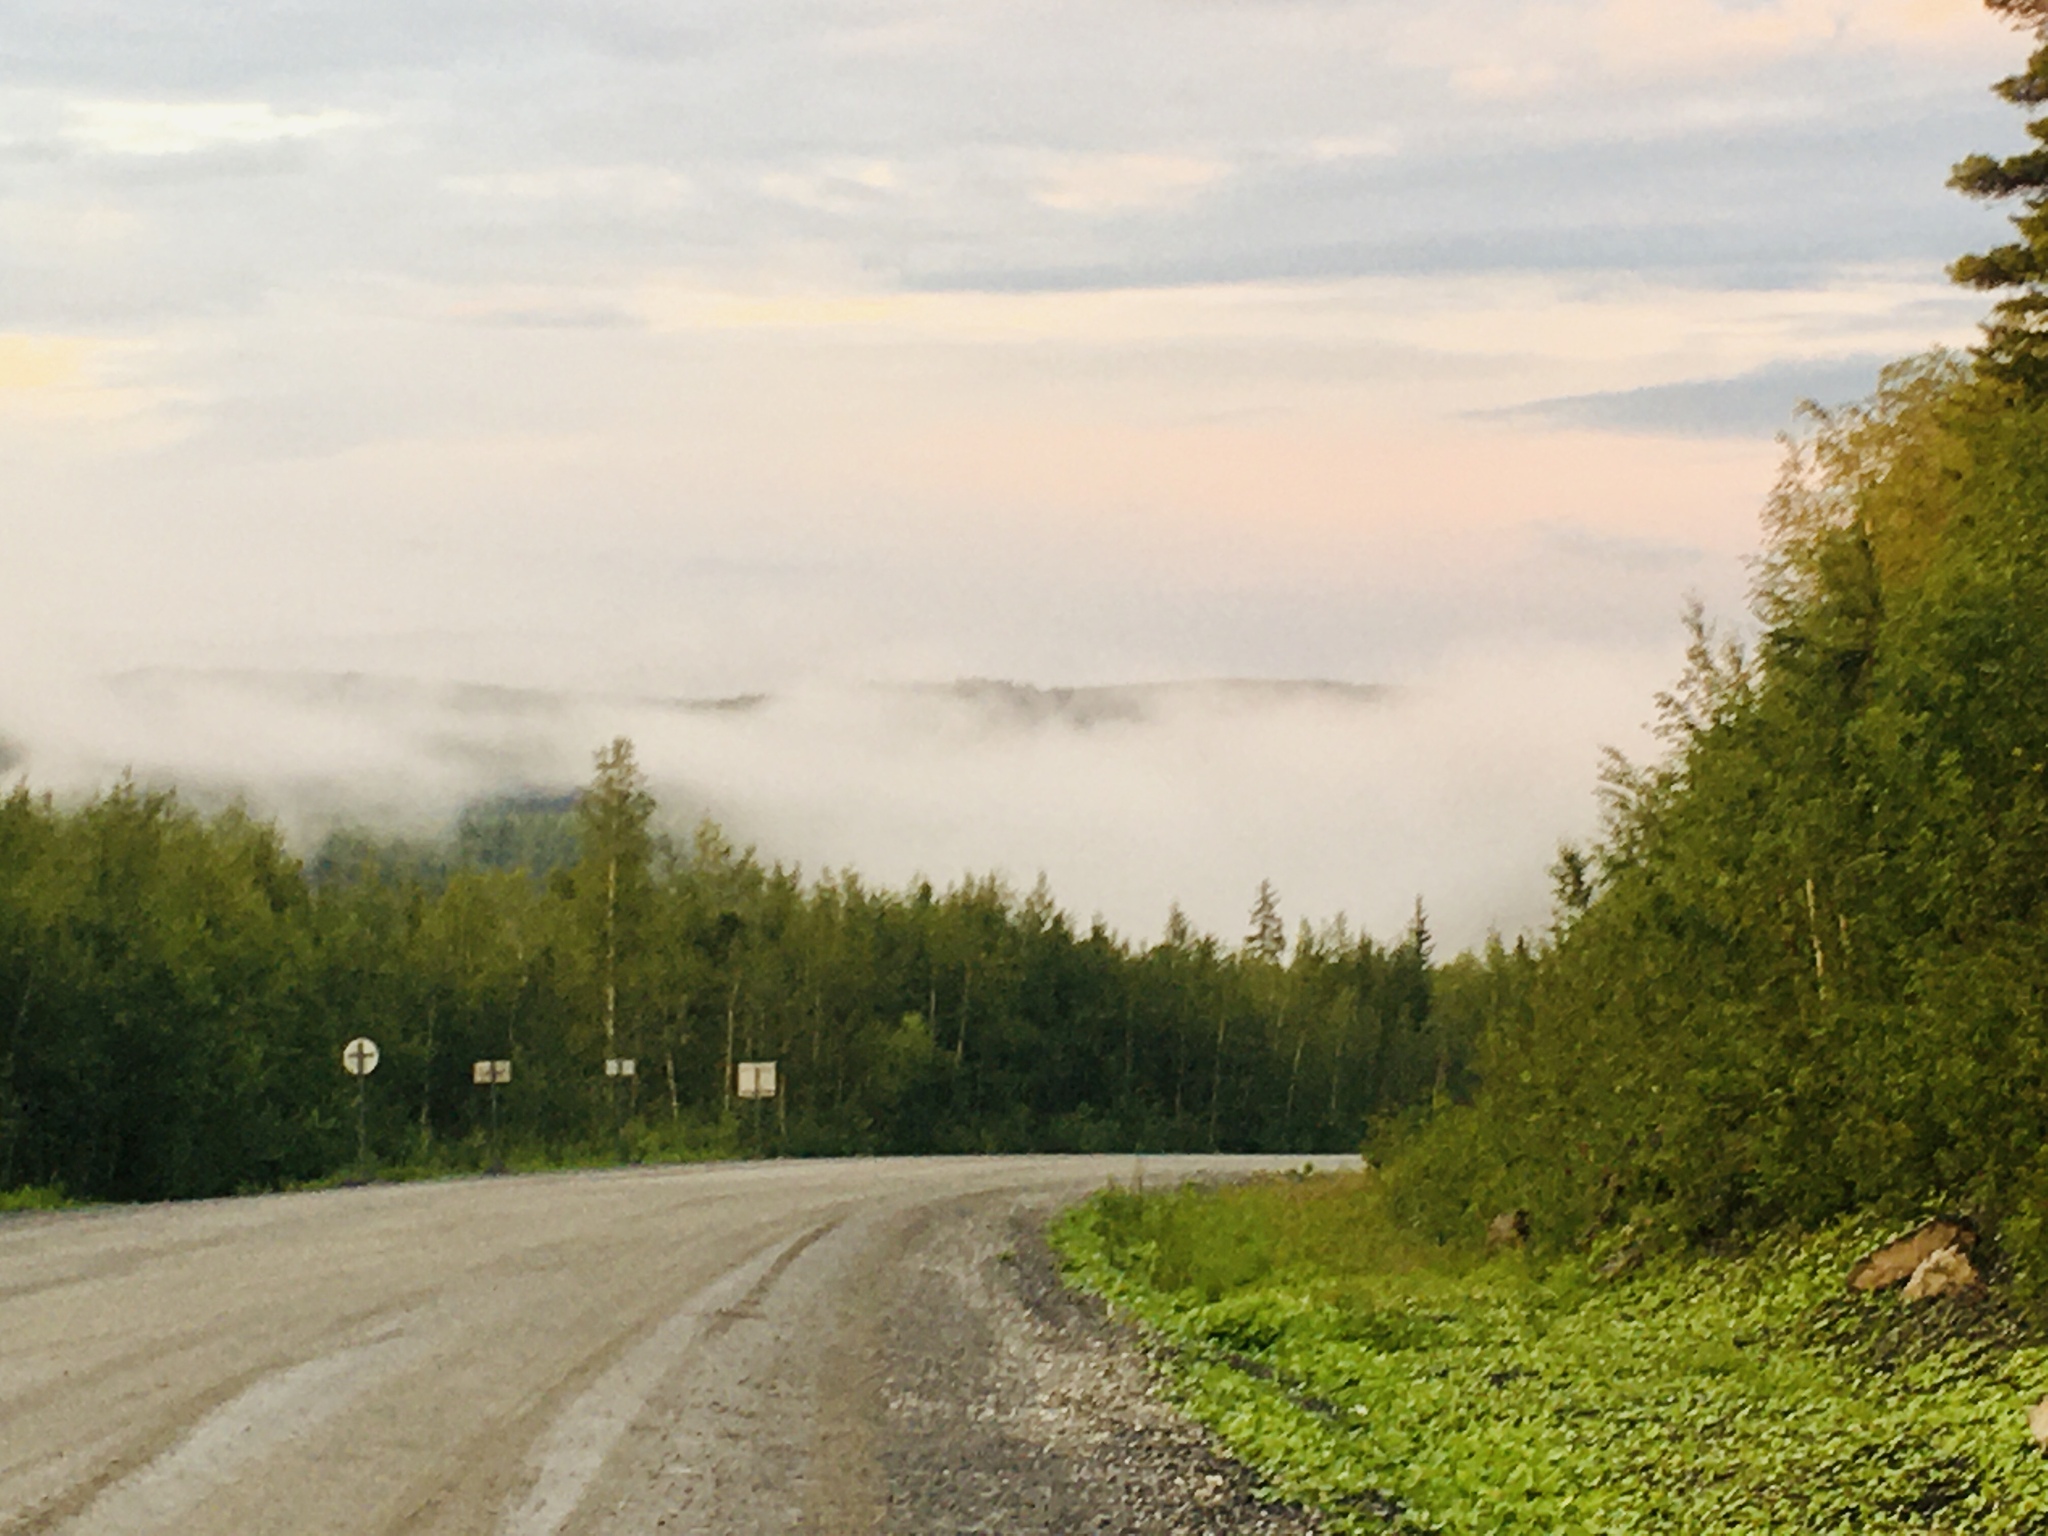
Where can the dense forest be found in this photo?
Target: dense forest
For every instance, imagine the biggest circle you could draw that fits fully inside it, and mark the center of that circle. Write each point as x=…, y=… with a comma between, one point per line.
x=176, y=989
x=1805, y=969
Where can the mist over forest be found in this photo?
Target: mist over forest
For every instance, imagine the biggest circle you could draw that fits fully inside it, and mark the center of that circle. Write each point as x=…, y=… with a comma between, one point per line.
x=1353, y=798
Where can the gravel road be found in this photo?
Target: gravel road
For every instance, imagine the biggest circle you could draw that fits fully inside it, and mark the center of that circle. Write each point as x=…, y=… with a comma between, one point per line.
x=832, y=1347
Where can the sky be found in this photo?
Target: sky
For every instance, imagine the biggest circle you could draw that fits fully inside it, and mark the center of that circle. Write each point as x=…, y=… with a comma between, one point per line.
x=618, y=353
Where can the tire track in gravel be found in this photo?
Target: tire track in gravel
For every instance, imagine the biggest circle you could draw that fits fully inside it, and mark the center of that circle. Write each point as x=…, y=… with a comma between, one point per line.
x=570, y=1455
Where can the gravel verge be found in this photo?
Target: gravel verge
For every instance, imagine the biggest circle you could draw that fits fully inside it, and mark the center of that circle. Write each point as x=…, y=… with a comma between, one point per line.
x=1014, y=1404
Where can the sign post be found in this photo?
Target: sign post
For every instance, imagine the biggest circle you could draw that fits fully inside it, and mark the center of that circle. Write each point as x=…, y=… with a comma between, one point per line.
x=492, y=1073
x=757, y=1081
x=615, y=1069
x=359, y=1059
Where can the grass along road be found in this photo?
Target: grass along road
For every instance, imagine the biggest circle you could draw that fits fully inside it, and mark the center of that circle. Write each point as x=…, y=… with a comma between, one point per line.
x=1391, y=1383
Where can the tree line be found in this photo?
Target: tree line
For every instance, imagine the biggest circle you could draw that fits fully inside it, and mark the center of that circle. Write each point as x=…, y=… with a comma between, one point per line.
x=176, y=988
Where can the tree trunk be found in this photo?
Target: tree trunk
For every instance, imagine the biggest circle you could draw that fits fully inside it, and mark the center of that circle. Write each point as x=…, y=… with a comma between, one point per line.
x=611, y=960
x=427, y=1084
x=1293, y=1077
x=966, y=992
x=732, y=1003
x=1216, y=1079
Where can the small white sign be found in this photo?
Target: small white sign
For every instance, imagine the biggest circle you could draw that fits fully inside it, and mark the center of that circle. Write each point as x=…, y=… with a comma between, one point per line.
x=491, y=1072
x=757, y=1079
x=359, y=1056
x=619, y=1066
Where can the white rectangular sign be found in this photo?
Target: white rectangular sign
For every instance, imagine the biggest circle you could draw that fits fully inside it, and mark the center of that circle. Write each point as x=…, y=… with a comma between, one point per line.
x=619, y=1066
x=757, y=1079
x=491, y=1072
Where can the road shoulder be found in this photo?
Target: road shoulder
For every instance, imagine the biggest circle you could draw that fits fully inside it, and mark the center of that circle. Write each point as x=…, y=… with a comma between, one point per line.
x=1014, y=1404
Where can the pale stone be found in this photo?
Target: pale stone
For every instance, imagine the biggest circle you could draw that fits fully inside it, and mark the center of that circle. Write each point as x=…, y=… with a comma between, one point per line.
x=1896, y=1262
x=2037, y=1422
x=1945, y=1272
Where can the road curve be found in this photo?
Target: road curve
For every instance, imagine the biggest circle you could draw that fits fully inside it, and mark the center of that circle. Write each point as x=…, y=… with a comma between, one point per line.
x=718, y=1348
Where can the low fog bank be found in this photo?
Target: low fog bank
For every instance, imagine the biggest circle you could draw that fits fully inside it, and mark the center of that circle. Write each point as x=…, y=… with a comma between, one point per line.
x=1456, y=787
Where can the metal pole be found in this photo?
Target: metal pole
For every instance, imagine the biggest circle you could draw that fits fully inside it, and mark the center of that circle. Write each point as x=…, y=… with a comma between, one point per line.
x=362, y=1154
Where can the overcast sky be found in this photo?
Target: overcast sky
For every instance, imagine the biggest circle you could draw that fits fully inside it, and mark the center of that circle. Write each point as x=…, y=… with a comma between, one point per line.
x=664, y=348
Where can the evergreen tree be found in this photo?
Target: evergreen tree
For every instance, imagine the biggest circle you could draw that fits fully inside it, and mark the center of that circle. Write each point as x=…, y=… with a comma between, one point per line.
x=2015, y=348
x=1268, y=937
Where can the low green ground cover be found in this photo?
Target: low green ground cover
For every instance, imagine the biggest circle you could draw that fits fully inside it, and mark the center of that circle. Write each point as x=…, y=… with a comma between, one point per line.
x=35, y=1197
x=1401, y=1385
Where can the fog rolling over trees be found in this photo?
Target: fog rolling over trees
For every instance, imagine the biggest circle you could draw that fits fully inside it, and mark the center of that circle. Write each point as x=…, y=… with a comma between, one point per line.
x=1349, y=797
x=175, y=989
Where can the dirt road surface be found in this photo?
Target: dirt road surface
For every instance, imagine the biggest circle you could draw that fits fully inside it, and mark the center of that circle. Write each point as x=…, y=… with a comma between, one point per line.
x=830, y=1347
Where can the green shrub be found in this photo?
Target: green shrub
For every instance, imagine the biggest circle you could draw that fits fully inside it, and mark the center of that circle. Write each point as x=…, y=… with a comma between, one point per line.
x=37, y=1197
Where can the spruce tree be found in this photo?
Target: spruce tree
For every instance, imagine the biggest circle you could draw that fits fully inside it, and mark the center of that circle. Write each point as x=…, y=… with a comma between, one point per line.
x=1268, y=937
x=2015, y=348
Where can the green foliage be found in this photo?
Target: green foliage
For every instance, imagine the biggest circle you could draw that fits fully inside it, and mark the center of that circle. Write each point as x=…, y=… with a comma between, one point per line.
x=1398, y=1383
x=35, y=1197
x=151, y=1024
x=175, y=992
x=1802, y=972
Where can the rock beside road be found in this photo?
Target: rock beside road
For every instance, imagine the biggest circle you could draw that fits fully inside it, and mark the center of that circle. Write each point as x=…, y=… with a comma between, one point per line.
x=1945, y=1272
x=1896, y=1262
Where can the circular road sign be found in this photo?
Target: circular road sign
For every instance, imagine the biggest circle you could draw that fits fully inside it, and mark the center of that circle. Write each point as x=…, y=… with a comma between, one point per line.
x=359, y=1056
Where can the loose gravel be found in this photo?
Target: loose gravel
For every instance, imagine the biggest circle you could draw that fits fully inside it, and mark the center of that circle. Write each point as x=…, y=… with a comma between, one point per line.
x=1013, y=1404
